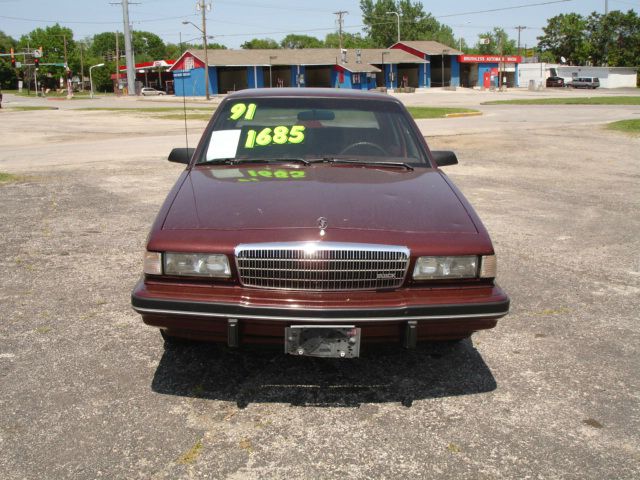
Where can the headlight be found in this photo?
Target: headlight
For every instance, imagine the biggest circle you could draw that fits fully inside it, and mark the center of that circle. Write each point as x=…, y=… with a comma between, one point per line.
x=197, y=265
x=438, y=268
x=432, y=268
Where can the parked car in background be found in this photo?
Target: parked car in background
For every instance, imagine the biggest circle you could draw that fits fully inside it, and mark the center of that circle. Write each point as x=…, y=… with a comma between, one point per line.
x=316, y=219
x=151, y=91
x=585, y=82
x=555, y=82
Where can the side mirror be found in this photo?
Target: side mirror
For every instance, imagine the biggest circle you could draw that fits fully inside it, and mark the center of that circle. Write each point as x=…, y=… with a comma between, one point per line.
x=444, y=158
x=181, y=155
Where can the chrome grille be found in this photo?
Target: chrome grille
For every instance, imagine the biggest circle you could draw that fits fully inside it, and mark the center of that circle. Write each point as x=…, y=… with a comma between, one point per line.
x=321, y=266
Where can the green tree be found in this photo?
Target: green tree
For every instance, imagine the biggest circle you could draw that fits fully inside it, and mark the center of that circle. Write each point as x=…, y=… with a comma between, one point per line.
x=349, y=40
x=301, y=41
x=52, y=40
x=260, y=43
x=6, y=42
x=7, y=74
x=565, y=36
x=173, y=50
x=614, y=39
x=103, y=45
x=147, y=46
x=382, y=28
x=499, y=43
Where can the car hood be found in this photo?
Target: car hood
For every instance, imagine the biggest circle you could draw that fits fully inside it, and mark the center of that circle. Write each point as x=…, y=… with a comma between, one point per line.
x=348, y=197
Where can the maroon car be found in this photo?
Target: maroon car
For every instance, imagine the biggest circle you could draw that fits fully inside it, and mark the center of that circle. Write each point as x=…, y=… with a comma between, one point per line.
x=318, y=219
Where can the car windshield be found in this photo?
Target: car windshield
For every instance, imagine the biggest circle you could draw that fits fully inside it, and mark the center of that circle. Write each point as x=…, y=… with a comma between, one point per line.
x=298, y=128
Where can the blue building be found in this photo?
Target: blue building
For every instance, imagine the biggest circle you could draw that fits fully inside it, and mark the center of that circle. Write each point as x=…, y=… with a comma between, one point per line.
x=362, y=69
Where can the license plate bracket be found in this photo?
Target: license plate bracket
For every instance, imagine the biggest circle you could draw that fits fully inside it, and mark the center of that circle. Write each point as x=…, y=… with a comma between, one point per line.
x=328, y=341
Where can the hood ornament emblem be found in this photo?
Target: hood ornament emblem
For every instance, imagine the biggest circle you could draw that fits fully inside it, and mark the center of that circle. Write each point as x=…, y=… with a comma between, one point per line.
x=323, y=223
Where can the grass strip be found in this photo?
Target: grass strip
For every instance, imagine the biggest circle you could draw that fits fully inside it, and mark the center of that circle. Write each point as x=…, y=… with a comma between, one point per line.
x=570, y=101
x=29, y=108
x=438, y=112
x=148, y=110
x=7, y=178
x=626, y=126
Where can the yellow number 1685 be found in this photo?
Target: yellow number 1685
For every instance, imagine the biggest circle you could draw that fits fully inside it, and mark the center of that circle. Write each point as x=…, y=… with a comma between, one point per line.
x=278, y=135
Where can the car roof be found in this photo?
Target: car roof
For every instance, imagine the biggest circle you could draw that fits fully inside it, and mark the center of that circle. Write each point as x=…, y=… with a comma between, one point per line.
x=312, y=93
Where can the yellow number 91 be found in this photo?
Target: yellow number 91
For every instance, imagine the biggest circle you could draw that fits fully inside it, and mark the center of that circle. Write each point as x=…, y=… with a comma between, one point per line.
x=240, y=109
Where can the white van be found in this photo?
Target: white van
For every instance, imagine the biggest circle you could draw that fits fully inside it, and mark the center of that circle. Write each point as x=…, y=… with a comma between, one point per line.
x=585, y=82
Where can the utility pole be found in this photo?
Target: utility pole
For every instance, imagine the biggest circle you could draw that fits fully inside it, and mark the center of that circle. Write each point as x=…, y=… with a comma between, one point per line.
x=131, y=68
x=340, y=14
x=131, y=72
x=519, y=28
x=606, y=45
x=203, y=8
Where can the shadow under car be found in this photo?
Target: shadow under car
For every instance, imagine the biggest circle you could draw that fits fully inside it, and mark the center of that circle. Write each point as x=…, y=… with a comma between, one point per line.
x=382, y=374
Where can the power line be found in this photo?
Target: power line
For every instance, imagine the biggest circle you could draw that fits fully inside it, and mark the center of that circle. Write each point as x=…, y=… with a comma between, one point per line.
x=272, y=7
x=627, y=3
x=514, y=7
x=79, y=22
x=150, y=20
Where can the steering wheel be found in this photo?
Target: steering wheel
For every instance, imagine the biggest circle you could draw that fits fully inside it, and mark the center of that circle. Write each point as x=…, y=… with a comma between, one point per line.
x=357, y=145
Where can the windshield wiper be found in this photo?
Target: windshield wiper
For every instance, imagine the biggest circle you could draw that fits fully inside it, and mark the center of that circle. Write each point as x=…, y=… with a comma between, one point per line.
x=236, y=161
x=363, y=162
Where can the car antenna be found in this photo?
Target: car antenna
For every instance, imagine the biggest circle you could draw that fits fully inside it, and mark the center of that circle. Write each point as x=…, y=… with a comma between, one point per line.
x=184, y=102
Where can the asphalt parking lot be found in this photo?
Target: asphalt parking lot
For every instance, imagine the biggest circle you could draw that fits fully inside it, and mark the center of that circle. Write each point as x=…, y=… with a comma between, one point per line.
x=87, y=390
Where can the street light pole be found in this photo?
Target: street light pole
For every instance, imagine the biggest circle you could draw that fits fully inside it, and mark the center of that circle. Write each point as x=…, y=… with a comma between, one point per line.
x=397, y=15
x=91, y=78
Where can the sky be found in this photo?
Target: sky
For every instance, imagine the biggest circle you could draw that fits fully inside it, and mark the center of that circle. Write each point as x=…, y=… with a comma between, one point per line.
x=233, y=22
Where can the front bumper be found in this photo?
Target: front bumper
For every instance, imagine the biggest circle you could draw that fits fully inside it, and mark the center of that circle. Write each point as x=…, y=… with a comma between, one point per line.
x=261, y=315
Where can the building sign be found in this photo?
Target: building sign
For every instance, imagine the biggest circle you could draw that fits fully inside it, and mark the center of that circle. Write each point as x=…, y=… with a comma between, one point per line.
x=489, y=58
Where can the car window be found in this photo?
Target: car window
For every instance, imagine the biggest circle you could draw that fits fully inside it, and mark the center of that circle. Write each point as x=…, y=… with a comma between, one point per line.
x=312, y=128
